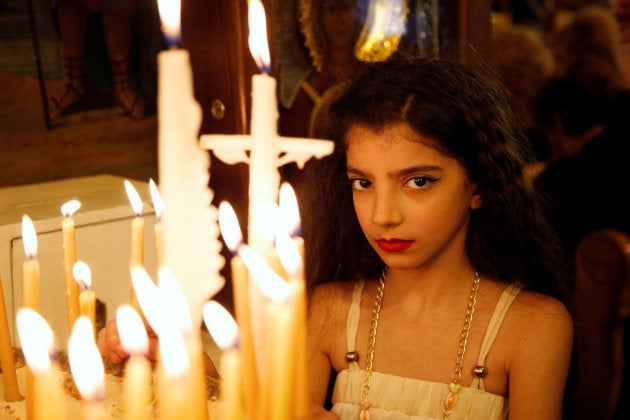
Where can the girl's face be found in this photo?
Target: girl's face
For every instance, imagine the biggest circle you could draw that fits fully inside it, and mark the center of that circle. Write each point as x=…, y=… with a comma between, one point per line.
x=412, y=201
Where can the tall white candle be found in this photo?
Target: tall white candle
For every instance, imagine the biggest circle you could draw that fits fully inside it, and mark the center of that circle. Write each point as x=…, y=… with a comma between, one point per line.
x=264, y=178
x=191, y=247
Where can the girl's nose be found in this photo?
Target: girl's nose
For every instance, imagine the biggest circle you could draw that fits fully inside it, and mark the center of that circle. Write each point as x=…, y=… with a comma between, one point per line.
x=386, y=211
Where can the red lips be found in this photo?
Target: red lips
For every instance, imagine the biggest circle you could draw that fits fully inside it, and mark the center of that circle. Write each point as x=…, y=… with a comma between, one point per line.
x=393, y=245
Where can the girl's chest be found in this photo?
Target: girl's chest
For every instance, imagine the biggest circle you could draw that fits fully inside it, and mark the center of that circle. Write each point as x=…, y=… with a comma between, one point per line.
x=434, y=349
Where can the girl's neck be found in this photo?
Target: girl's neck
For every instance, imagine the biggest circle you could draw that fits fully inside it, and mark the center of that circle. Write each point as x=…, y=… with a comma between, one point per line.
x=430, y=287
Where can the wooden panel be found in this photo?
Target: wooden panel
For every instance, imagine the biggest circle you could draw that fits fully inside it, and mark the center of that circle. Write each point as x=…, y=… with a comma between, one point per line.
x=212, y=32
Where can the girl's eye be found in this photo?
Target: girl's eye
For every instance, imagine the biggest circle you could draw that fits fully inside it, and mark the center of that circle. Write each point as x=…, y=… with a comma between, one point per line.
x=360, y=183
x=420, y=182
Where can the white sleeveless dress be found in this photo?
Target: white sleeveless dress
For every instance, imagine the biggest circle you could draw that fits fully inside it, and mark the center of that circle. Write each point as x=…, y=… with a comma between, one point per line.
x=395, y=398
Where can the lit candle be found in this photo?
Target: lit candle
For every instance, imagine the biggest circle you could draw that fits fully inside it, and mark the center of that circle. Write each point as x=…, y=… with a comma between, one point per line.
x=267, y=152
x=88, y=372
x=264, y=178
x=30, y=270
x=279, y=338
x=275, y=224
x=224, y=332
x=158, y=206
x=173, y=402
x=137, y=236
x=191, y=248
x=69, y=258
x=137, y=381
x=7, y=361
x=147, y=292
x=290, y=215
x=137, y=225
x=172, y=297
x=231, y=232
x=290, y=255
x=37, y=342
x=162, y=306
x=87, y=297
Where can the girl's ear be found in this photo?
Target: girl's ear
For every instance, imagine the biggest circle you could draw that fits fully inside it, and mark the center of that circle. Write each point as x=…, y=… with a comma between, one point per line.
x=475, y=201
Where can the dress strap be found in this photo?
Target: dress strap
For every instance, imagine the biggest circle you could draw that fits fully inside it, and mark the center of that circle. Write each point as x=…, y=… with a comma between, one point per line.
x=352, y=325
x=504, y=303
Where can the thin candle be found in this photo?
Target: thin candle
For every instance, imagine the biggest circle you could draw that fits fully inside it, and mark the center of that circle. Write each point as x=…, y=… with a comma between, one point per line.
x=30, y=271
x=137, y=236
x=172, y=297
x=290, y=255
x=137, y=380
x=290, y=215
x=31, y=265
x=137, y=225
x=88, y=371
x=231, y=232
x=87, y=296
x=279, y=342
x=224, y=332
x=69, y=258
x=7, y=361
x=37, y=340
x=173, y=374
x=158, y=206
x=148, y=297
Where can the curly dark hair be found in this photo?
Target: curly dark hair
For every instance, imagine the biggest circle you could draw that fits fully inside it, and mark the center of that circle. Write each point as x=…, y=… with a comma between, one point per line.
x=463, y=110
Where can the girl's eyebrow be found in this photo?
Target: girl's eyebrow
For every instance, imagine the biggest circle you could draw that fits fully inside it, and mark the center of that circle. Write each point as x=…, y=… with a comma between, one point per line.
x=401, y=172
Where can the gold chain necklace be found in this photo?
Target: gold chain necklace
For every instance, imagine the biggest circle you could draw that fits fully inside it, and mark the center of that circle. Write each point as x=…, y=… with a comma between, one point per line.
x=454, y=386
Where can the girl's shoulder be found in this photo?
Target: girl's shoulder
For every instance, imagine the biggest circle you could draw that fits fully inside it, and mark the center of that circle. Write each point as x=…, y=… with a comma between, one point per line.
x=531, y=307
x=538, y=306
x=330, y=301
x=337, y=292
x=536, y=321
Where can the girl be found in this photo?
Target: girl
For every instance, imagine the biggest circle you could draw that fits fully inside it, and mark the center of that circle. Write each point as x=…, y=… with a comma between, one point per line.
x=451, y=304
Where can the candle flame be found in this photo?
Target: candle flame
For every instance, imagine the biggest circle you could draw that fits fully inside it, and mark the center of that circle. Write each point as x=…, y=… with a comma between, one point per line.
x=172, y=297
x=289, y=210
x=170, y=15
x=82, y=275
x=258, y=45
x=148, y=297
x=158, y=203
x=36, y=337
x=133, y=335
x=272, y=285
x=70, y=207
x=230, y=229
x=173, y=351
x=30, y=237
x=221, y=325
x=86, y=363
x=289, y=255
x=134, y=198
